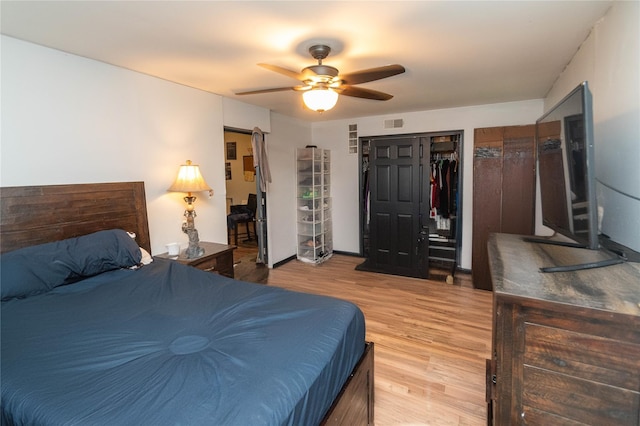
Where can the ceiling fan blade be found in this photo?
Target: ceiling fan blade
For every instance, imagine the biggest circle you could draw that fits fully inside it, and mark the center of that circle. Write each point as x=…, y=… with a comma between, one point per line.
x=360, y=92
x=372, y=74
x=275, y=89
x=284, y=71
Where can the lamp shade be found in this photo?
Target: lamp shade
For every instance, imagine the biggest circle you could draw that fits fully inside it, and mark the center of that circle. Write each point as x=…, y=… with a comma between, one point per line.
x=189, y=179
x=320, y=99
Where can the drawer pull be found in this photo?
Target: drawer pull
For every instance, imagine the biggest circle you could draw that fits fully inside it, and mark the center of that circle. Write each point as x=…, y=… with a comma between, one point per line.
x=213, y=268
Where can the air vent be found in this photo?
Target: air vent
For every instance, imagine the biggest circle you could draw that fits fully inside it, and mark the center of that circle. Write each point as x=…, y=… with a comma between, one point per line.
x=353, y=138
x=393, y=124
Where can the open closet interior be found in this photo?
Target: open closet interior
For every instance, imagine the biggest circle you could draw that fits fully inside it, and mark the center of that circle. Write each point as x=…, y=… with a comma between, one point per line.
x=444, y=200
x=433, y=239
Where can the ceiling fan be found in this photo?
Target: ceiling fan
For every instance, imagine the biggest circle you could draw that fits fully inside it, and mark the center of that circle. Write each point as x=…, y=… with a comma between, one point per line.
x=321, y=84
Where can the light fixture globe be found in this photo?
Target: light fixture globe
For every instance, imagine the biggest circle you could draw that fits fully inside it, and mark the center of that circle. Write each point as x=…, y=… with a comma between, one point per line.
x=320, y=99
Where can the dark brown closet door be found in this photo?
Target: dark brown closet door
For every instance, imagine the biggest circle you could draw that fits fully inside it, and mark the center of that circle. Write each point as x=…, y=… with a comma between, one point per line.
x=518, y=180
x=503, y=190
x=487, y=199
x=396, y=207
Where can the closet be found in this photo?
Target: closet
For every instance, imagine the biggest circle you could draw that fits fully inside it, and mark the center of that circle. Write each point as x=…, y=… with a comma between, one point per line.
x=410, y=193
x=444, y=200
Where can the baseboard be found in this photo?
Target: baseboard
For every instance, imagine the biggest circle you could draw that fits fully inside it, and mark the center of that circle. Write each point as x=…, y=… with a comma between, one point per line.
x=347, y=253
x=294, y=257
x=282, y=262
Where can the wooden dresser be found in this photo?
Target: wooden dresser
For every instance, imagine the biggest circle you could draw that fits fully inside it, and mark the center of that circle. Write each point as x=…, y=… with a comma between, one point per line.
x=566, y=346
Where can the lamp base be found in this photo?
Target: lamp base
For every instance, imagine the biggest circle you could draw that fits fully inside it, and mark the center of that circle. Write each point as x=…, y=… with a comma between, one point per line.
x=193, y=251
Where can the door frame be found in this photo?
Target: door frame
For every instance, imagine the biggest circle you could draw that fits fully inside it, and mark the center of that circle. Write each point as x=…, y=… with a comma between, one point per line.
x=261, y=212
x=417, y=250
x=363, y=149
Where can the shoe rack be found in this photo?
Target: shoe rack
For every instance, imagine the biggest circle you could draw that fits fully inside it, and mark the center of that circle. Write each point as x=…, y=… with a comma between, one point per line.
x=315, y=242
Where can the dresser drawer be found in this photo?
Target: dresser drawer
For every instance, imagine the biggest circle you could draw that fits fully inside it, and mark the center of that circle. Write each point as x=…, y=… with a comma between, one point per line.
x=220, y=264
x=208, y=264
x=592, y=358
x=577, y=375
x=224, y=264
x=549, y=396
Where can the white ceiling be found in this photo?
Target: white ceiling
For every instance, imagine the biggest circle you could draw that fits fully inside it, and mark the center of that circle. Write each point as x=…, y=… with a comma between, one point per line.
x=456, y=53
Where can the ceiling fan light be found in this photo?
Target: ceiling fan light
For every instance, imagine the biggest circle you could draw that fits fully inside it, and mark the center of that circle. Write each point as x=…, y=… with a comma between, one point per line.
x=320, y=99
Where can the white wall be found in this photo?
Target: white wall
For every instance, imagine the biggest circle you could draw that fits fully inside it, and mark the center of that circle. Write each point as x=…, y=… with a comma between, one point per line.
x=67, y=119
x=242, y=116
x=610, y=61
x=344, y=169
x=287, y=135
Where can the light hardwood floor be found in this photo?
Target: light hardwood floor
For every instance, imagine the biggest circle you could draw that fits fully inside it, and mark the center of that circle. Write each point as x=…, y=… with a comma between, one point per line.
x=431, y=339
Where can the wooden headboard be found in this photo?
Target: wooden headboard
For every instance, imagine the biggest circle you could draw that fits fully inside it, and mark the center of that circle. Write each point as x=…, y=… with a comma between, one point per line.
x=33, y=215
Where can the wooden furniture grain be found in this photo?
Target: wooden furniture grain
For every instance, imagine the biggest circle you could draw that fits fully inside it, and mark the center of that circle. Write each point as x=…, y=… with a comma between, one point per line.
x=40, y=214
x=503, y=190
x=217, y=258
x=566, y=346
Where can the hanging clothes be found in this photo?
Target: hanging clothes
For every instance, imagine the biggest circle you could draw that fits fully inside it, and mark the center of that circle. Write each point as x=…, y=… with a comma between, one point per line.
x=445, y=180
x=435, y=190
x=263, y=174
x=453, y=187
x=260, y=158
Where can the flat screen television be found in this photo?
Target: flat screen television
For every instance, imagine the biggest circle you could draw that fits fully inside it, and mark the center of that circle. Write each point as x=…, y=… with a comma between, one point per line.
x=564, y=138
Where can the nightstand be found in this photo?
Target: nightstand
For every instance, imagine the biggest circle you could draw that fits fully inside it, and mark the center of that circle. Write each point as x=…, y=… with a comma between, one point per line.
x=217, y=258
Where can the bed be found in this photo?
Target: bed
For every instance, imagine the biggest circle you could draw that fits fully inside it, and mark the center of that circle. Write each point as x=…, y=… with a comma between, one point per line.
x=90, y=335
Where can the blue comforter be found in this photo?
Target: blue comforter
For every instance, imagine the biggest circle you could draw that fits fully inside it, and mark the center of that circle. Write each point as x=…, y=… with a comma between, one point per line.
x=171, y=345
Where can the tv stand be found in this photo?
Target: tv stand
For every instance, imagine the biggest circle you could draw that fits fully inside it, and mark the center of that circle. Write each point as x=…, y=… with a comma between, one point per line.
x=553, y=242
x=581, y=266
x=566, y=347
x=575, y=267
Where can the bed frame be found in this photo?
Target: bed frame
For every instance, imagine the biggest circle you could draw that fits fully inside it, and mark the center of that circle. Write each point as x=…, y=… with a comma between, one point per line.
x=33, y=215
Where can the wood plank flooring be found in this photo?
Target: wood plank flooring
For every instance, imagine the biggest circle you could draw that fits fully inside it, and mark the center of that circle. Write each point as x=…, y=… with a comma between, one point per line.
x=431, y=338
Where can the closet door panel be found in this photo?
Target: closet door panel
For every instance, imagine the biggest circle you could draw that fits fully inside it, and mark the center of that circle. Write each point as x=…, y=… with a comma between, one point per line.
x=487, y=199
x=503, y=190
x=395, y=207
x=518, y=181
x=487, y=183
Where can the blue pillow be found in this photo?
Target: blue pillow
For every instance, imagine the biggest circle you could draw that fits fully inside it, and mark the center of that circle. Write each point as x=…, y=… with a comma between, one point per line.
x=38, y=269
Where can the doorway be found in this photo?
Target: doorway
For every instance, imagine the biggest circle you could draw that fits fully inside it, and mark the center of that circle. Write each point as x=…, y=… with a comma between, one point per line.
x=241, y=189
x=396, y=200
x=410, y=203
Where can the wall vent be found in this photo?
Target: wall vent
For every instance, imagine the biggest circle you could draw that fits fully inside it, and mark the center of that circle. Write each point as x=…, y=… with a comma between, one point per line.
x=393, y=124
x=353, y=138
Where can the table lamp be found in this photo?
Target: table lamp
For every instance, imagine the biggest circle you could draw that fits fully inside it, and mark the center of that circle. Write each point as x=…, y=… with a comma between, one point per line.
x=190, y=180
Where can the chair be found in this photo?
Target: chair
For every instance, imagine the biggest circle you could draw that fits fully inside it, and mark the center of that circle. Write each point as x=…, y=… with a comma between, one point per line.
x=243, y=213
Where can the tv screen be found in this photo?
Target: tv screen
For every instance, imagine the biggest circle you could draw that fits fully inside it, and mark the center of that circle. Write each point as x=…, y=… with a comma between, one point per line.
x=564, y=137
